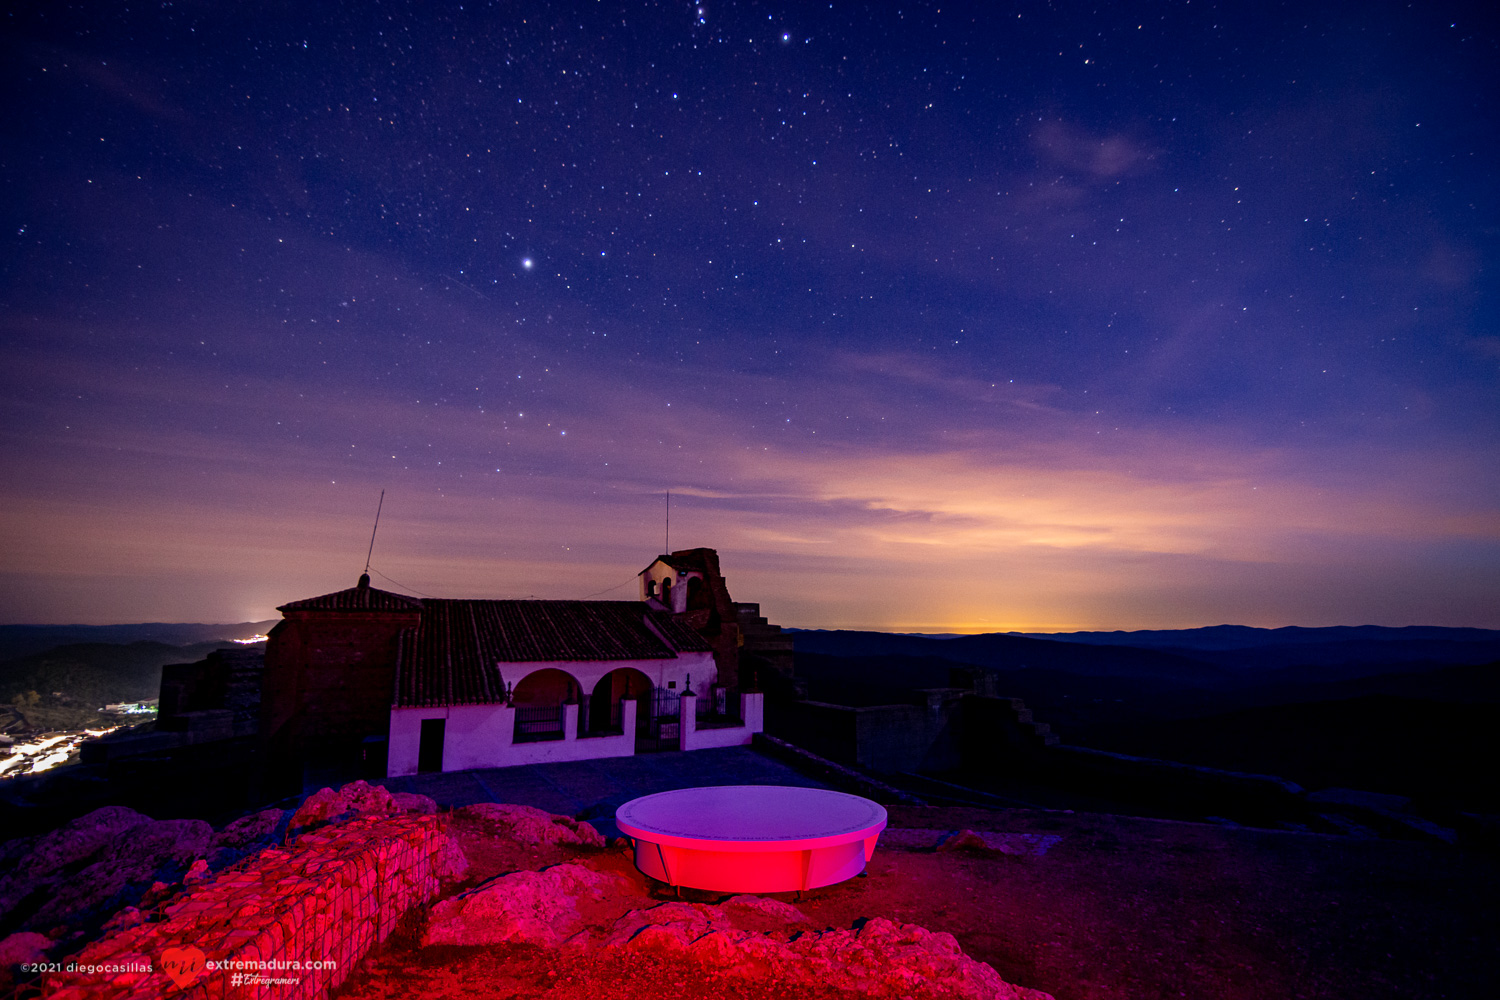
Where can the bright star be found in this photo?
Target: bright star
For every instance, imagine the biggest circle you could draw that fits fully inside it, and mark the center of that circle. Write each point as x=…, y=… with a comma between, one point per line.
x=526, y=263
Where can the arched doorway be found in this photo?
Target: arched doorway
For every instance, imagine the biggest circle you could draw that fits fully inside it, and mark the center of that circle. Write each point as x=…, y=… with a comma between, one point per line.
x=539, y=698
x=603, y=713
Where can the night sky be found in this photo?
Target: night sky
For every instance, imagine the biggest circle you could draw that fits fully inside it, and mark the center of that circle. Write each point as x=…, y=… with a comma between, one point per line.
x=942, y=317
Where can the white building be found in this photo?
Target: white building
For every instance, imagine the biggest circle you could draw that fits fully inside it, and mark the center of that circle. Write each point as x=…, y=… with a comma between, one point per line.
x=500, y=683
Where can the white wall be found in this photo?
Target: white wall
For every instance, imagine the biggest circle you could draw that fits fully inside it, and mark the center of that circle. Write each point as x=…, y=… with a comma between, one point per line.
x=659, y=571
x=482, y=736
x=752, y=712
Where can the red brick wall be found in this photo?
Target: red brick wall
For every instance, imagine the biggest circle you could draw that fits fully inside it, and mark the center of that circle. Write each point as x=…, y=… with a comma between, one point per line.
x=329, y=897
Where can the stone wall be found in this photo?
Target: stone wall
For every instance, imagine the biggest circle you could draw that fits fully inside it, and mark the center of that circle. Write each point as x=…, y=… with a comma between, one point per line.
x=307, y=912
x=883, y=738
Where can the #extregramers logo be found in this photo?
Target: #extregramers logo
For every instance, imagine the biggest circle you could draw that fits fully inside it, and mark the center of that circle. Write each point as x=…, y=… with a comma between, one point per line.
x=184, y=965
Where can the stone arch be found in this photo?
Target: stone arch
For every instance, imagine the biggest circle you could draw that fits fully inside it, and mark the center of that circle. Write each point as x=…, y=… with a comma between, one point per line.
x=604, y=703
x=547, y=686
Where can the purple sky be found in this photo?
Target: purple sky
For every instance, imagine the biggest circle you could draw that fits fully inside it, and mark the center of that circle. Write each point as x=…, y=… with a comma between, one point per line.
x=943, y=317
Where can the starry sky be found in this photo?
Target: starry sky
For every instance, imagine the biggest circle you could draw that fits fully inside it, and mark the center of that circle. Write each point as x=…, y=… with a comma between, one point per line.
x=931, y=316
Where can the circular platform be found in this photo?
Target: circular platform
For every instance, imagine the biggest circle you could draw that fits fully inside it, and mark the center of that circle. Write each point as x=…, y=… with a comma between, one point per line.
x=751, y=838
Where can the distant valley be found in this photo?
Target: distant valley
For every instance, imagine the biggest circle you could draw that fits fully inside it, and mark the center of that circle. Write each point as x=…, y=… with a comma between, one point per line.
x=57, y=677
x=1387, y=709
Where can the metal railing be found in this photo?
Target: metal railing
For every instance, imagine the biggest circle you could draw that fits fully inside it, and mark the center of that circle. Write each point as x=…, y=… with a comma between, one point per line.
x=718, y=706
x=538, y=722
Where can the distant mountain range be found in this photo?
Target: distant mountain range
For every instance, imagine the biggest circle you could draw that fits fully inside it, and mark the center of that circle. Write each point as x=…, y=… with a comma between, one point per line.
x=1214, y=656
x=24, y=640
x=1226, y=637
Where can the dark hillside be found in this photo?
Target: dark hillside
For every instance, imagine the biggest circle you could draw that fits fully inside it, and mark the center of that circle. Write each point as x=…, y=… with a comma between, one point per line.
x=1009, y=652
x=1069, y=702
x=1355, y=658
x=1428, y=750
x=24, y=640
x=72, y=682
x=1226, y=637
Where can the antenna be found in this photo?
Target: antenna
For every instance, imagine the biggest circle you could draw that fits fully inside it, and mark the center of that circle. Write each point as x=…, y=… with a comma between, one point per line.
x=667, y=542
x=373, y=530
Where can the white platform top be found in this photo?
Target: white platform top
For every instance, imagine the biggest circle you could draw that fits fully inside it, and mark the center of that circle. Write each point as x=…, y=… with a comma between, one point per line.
x=751, y=817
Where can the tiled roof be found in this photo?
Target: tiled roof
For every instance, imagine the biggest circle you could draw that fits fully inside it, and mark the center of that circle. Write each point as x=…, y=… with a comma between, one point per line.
x=364, y=598
x=451, y=657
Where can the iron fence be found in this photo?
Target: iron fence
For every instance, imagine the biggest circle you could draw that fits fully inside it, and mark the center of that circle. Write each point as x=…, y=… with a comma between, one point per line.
x=657, y=721
x=539, y=722
x=718, y=706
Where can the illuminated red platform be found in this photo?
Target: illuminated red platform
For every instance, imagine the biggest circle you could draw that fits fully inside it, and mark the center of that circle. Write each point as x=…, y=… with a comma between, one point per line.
x=751, y=838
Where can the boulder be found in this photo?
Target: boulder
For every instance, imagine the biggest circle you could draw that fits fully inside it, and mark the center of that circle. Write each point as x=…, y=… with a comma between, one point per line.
x=126, y=866
x=252, y=830
x=966, y=840
x=881, y=958
x=129, y=917
x=546, y=908
x=358, y=798
x=757, y=913
x=530, y=825
x=452, y=866
x=413, y=803
x=69, y=844
x=886, y=958
x=246, y=835
x=666, y=928
x=22, y=947
x=167, y=843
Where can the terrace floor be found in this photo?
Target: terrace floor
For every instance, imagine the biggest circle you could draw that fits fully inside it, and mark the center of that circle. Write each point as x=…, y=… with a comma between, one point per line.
x=593, y=789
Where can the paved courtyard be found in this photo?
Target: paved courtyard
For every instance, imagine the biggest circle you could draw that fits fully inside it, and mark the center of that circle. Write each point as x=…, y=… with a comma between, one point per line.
x=593, y=789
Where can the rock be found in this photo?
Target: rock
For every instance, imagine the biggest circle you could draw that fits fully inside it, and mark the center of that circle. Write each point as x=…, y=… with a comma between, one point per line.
x=452, y=866
x=168, y=843
x=246, y=835
x=197, y=872
x=881, y=958
x=159, y=893
x=414, y=803
x=545, y=908
x=756, y=913
x=22, y=947
x=125, y=919
x=665, y=928
x=67, y=845
x=966, y=840
x=12, y=851
x=98, y=863
x=146, y=852
x=254, y=829
x=530, y=825
x=358, y=798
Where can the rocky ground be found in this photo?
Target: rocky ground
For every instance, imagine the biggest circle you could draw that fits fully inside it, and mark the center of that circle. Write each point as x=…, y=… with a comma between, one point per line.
x=1073, y=905
x=1079, y=906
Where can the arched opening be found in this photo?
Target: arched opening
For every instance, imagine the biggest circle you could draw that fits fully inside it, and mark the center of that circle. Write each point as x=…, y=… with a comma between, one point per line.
x=666, y=592
x=650, y=589
x=539, y=698
x=604, y=713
